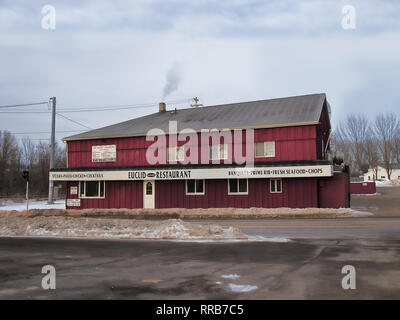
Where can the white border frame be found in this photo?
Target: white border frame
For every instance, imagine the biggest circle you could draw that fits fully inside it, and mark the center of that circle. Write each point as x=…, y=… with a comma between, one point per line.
x=219, y=151
x=98, y=197
x=238, y=193
x=176, y=154
x=264, y=155
x=195, y=193
x=270, y=181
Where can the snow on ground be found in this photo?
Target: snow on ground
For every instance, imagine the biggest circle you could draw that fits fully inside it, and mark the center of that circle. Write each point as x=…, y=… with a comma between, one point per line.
x=367, y=194
x=171, y=229
x=388, y=183
x=241, y=288
x=230, y=276
x=33, y=204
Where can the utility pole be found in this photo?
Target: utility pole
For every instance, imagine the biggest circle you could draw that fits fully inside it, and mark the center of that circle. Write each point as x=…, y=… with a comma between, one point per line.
x=25, y=175
x=52, y=146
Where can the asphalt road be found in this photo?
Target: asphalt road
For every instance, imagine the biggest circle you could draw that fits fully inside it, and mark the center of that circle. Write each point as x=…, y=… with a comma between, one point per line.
x=107, y=269
x=307, y=267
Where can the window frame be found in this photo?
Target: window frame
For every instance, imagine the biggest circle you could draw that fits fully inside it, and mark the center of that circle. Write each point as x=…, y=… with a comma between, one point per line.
x=176, y=154
x=276, y=185
x=95, y=197
x=219, y=151
x=195, y=193
x=265, y=155
x=238, y=192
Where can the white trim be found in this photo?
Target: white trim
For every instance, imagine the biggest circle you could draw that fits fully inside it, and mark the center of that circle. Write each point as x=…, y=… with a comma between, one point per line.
x=311, y=171
x=176, y=154
x=195, y=193
x=238, y=193
x=219, y=151
x=276, y=185
x=265, y=154
x=98, y=197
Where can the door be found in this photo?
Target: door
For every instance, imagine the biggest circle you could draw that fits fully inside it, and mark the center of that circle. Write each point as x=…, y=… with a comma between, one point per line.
x=148, y=194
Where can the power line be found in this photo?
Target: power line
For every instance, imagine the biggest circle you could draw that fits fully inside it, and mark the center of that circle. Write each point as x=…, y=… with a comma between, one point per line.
x=45, y=132
x=22, y=105
x=73, y=121
x=105, y=108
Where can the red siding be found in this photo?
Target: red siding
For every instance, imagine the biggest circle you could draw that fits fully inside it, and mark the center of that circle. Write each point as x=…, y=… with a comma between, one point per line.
x=335, y=192
x=297, y=193
x=119, y=194
x=362, y=188
x=291, y=143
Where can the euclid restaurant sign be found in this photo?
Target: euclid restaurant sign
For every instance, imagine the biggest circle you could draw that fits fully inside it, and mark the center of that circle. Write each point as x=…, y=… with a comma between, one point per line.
x=184, y=174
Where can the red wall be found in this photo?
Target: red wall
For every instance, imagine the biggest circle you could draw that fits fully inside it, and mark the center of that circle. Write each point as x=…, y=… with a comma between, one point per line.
x=297, y=193
x=362, y=188
x=291, y=143
x=335, y=192
x=119, y=194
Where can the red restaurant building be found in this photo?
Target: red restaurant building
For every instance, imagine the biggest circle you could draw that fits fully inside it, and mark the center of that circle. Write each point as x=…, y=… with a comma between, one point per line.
x=287, y=138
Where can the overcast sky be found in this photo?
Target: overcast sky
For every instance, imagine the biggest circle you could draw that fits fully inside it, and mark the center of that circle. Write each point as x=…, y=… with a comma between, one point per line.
x=106, y=53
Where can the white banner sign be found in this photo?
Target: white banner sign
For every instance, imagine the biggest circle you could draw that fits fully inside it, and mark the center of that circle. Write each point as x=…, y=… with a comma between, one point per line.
x=73, y=202
x=184, y=174
x=104, y=153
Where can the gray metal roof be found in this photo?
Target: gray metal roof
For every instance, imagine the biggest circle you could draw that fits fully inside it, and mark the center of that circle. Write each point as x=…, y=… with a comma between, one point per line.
x=298, y=110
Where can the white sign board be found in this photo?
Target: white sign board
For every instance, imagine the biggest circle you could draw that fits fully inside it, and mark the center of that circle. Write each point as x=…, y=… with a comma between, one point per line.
x=73, y=190
x=73, y=202
x=106, y=153
x=184, y=174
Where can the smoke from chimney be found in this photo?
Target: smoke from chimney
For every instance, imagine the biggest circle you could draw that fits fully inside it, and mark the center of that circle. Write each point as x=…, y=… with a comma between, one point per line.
x=173, y=79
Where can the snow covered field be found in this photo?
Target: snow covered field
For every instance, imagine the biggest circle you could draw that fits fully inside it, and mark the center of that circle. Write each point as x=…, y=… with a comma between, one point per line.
x=33, y=204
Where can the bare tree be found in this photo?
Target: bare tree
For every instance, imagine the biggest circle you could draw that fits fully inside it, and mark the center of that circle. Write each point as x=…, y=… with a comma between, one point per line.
x=353, y=133
x=386, y=127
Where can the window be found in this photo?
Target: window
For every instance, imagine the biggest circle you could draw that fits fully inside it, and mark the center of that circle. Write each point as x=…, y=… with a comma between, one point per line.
x=176, y=153
x=237, y=186
x=265, y=149
x=149, y=188
x=194, y=187
x=219, y=152
x=275, y=186
x=91, y=189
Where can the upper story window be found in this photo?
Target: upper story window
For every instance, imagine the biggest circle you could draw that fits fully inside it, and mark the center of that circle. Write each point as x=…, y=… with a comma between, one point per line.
x=91, y=189
x=265, y=149
x=219, y=152
x=176, y=153
x=237, y=186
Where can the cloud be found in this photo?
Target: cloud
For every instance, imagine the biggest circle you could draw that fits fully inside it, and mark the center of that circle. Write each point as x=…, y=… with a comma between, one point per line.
x=111, y=53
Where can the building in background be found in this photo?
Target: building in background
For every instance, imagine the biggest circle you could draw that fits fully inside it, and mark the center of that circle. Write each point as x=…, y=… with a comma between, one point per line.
x=108, y=167
x=381, y=173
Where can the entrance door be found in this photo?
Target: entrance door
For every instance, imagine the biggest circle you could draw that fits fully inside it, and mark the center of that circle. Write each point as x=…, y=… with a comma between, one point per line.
x=148, y=194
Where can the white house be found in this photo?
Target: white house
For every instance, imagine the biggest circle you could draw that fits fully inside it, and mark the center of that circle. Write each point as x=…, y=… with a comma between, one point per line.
x=382, y=174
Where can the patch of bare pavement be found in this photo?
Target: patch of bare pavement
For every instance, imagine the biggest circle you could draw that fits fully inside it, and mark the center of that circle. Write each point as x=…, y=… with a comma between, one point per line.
x=104, y=269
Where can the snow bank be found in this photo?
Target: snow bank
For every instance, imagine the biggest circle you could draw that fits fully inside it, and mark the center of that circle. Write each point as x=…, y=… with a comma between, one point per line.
x=179, y=213
x=173, y=229
x=388, y=183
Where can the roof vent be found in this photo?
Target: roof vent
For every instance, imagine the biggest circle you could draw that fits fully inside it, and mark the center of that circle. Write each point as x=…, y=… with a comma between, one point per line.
x=161, y=107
